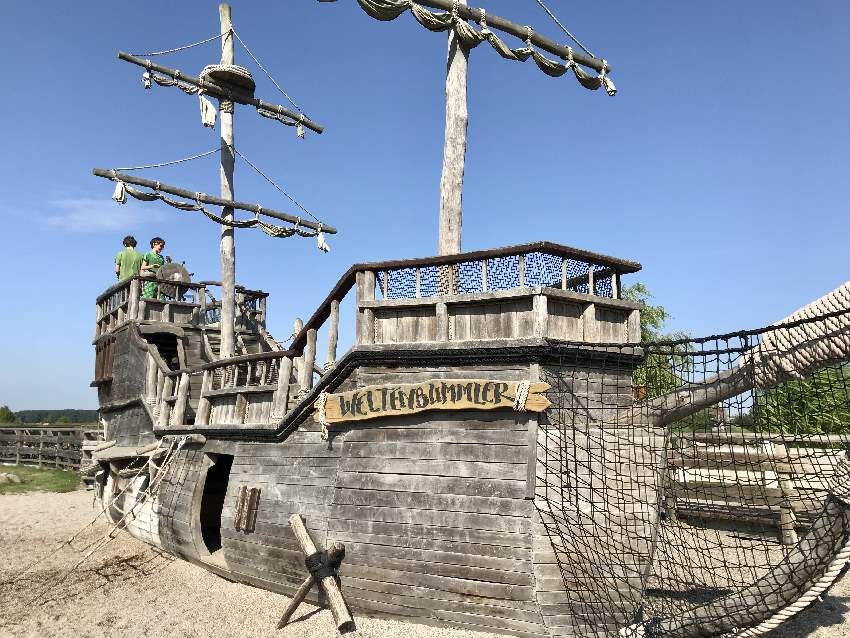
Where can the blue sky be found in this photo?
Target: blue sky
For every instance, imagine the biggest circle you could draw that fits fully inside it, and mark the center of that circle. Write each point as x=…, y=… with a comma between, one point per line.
x=722, y=164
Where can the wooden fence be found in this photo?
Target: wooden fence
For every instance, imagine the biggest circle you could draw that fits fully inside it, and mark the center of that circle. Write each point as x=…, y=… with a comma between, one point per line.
x=63, y=447
x=773, y=481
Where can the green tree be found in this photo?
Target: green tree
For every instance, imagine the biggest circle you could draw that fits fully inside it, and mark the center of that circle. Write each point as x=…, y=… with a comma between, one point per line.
x=819, y=404
x=657, y=375
x=6, y=415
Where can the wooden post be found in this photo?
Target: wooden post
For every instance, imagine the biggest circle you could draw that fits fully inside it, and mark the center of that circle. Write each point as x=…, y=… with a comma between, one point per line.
x=133, y=302
x=165, y=407
x=521, y=270
x=182, y=399
x=202, y=301
x=280, y=400
x=442, y=312
x=787, y=518
x=333, y=334
x=227, y=247
x=540, y=307
x=40, y=446
x=563, y=273
x=336, y=602
x=454, y=149
x=365, y=316
x=261, y=305
x=160, y=384
x=615, y=285
x=591, y=283
x=150, y=379
x=298, y=361
x=305, y=373
x=202, y=416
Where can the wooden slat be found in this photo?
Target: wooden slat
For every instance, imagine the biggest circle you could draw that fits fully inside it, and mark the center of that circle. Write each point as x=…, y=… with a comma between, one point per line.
x=466, y=469
x=427, y=501
x=433, y=532
x=435, y=485
x=461, y=520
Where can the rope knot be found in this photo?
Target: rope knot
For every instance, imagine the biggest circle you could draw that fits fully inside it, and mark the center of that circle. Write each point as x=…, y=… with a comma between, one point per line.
x=521, y=395
x=321, y=565
x=321, y=414
x=485, y=30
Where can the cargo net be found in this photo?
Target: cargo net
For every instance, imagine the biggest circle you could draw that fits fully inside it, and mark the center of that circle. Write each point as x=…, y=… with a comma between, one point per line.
x=507, y=272
x=685, y=485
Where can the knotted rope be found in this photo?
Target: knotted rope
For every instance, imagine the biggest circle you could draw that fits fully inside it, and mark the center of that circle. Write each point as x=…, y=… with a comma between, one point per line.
x=521, y=395
x=322, y=415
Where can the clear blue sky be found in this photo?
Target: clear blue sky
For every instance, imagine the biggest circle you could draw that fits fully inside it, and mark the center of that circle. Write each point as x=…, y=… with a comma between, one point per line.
x=722, y=165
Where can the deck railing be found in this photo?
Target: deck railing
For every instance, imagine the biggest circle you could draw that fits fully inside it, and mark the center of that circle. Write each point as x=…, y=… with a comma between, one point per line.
x=173, y=302
x=261, y=388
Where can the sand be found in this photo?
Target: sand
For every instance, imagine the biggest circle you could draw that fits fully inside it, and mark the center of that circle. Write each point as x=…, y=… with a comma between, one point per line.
x=127, y=588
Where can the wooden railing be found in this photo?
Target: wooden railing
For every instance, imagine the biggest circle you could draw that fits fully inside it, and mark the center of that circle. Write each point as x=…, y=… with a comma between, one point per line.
x=187, y=303
x=261, y=388
x=539, y=264
x=55, y=446
x=776, y=481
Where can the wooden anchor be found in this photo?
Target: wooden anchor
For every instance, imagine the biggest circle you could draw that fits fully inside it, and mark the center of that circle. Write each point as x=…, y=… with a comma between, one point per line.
x=322, y=566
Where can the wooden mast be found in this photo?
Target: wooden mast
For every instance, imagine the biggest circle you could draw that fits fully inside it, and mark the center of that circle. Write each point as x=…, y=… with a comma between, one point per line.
x=227, y=245
x=454, y=149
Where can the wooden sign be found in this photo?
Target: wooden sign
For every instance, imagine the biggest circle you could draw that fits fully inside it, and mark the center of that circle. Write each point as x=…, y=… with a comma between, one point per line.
x=377, y=401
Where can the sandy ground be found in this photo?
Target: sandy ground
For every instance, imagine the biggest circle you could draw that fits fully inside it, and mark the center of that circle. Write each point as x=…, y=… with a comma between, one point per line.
x=129, y=589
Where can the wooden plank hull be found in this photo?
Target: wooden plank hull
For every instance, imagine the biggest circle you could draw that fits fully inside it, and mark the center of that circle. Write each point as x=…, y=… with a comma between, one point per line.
x=444, y=514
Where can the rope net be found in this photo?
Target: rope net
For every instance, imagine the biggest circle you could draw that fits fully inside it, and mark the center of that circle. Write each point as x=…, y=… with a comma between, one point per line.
x=690, y=489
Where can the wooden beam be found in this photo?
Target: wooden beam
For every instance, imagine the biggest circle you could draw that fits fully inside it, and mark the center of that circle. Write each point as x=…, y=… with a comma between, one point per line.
x=518, y=30
x=227, y=243
x=333, y=333
x=454, y=147
x=221, y=92
x=336, y=602
x=335, y=552
x=208, y=199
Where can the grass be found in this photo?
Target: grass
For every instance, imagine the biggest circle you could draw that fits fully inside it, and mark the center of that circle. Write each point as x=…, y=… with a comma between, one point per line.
x=35, y=480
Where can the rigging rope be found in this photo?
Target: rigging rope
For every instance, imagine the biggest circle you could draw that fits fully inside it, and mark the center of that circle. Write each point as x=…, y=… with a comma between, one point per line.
x=183, y=48
x=268, y=75
x=563, y=28
x=122, y=190
x=70, y=539
x=151, y=490
x=179, y=161
x=470, y=38
x=272, y=182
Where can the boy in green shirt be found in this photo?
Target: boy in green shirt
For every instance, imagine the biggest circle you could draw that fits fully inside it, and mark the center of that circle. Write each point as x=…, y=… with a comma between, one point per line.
x=128, y=262
x=151, y=262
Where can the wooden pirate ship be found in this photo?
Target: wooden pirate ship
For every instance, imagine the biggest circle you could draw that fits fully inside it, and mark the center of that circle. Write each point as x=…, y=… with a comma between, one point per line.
x=480, y=450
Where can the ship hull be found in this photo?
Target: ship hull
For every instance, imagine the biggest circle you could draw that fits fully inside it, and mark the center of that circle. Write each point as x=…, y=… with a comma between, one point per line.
x=448, y=517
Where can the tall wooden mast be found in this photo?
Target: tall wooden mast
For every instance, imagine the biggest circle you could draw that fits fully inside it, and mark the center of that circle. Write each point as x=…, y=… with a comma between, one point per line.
x=227, y=245
x=214, y=81
x=463, y=37
x=454, y=148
